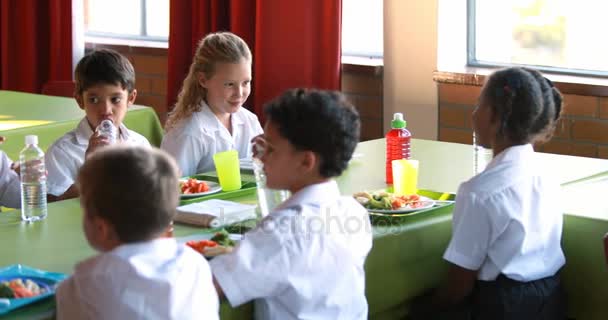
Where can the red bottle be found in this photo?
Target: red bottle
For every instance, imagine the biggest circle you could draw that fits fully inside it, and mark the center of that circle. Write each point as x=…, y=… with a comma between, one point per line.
x=397, y=144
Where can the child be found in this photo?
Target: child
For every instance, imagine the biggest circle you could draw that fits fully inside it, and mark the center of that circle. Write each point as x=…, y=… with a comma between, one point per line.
x=208, y=117
x=105, y=83
x=305, y=259
x=10, y=187
x=128, y=197
x=505, y=251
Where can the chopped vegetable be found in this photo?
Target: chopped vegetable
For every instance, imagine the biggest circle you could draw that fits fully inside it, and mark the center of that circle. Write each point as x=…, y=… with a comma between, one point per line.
x=16, y=288
x=191, y=186
x=223, y=238
x=387, y=201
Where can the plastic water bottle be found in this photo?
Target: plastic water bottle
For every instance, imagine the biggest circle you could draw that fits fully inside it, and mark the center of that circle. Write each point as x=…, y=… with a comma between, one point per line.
x=397, y=144
x=481, y=156
x=107, y=129
x=33, y=181
x=268, y=199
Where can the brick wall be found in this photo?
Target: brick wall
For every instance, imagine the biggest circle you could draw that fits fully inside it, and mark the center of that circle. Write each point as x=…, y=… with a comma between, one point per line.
x=363, y=87
x=582, y=131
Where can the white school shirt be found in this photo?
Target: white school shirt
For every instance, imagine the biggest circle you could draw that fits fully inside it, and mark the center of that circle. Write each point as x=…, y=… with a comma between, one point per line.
x=158, y=279
x=65, y=156
x=10, y=187
x=303, y=261
x=194, y=141
x=508, y=220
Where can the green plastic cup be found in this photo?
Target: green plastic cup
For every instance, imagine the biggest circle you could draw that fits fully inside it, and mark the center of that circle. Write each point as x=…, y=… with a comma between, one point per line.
x=228, y=170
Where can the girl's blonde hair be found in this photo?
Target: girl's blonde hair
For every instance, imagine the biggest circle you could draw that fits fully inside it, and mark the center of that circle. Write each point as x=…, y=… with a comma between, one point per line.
x=219, y=47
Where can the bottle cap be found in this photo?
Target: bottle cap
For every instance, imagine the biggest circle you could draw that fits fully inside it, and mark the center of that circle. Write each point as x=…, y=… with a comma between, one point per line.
x=398, y=121
x=31, y=139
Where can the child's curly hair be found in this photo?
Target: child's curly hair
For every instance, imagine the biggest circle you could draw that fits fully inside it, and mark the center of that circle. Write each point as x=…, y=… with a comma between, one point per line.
x=219, y=47
x=526, y=104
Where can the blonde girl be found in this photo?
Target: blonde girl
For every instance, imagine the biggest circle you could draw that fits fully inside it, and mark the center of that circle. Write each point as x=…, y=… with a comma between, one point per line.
x=208, y=116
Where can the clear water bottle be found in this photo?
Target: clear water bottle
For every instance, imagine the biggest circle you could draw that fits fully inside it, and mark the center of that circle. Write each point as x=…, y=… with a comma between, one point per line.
x=268, y=199
x=397, y=144
x=33, y=181
x=107, y=129
x=481, y=156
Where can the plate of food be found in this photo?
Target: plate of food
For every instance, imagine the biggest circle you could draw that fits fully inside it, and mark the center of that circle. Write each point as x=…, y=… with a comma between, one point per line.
x=190, y=188
x=212, y=244
x=22, y=285
x=390, y=203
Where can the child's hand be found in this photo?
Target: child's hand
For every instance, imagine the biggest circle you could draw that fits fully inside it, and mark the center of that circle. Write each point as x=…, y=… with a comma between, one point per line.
x=95, y=142
x=258, y=146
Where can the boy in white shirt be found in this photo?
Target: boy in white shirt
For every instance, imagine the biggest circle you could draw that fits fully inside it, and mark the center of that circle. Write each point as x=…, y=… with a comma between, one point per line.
x=305, y=259
x=10, y=187
x=128, y=197
x=105, y=88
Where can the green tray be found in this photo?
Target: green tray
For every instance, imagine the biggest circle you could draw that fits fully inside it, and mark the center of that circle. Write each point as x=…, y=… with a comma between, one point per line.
x=248, y=187
x=385, y=219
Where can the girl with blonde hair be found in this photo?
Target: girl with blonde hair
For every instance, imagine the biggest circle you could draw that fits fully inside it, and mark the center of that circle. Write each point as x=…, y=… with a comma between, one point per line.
x=208, y=116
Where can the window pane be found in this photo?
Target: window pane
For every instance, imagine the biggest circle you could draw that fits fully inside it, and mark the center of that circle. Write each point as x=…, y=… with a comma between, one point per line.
x=554, y=33
x=362, y=29
x=113, y=16
x=157, y=18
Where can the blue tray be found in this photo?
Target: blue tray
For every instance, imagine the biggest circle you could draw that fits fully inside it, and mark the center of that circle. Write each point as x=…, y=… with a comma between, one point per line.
x=46, y=280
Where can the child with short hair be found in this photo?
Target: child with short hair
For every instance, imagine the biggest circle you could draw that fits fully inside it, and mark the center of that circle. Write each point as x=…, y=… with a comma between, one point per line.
x=10, y=186
x=128, y=197
x=305, y=259
x=505, y=252
x=208, y=116
x=105, y=88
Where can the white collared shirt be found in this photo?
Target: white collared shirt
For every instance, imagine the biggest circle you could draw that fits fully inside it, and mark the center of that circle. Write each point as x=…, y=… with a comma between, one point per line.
x=158, y=279
x=304, y=260
x=194, y=141
x=10, y=187
x=508, y=220
x=65, y=156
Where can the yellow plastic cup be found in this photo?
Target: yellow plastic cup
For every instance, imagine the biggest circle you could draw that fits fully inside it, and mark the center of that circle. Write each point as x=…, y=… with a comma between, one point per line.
x=228, y=170
x=405, y=176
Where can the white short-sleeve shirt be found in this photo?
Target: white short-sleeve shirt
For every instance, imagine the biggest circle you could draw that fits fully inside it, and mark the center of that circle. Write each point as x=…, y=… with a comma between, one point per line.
x=10, y=187
x=65, y=156
x=508, y=220
x=158, y=279
x=194, y=141
x=304, y=260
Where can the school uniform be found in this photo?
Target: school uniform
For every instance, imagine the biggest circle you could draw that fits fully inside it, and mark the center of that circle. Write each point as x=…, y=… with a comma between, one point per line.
x=157, y=279
x=65, y=156
x=303, y=261
x=194, y=141
x=507, y=224
x=10, y=187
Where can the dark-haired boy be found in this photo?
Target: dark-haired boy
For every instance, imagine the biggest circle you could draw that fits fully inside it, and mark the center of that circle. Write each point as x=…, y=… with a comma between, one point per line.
x=305, y=259
x=128, y=197
x=105, y=88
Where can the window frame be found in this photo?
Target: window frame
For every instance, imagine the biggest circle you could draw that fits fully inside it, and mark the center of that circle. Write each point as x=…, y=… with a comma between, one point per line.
x=472, y=60
x=142, y=36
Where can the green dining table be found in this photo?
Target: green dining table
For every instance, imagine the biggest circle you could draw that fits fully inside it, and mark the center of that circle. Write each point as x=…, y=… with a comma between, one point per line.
x=405, y=260
x=51, y=117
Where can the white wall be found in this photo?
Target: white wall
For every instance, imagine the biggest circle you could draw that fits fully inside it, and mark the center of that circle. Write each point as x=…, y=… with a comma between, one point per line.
x=410, y=57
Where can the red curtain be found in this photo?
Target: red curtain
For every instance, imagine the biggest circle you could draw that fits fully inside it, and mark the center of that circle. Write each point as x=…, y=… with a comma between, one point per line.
x=295, y=43
x=35, y=43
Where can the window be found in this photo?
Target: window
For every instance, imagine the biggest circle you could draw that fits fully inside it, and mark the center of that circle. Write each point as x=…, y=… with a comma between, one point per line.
x=553, y=35
x=362, y=28
x=130, y=19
